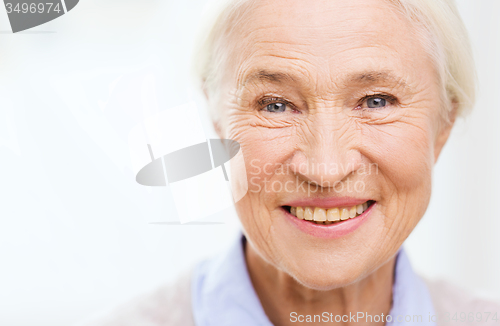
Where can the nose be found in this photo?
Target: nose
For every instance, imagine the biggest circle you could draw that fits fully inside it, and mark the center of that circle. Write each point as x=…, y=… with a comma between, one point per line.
x=326, y=154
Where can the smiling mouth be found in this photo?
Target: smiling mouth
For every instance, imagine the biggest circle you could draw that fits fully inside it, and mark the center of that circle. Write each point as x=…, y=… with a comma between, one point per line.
x=326, y=216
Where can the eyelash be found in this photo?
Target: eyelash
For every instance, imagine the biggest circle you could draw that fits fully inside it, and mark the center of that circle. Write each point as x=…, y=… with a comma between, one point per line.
x=262, y=103
x=389, y=98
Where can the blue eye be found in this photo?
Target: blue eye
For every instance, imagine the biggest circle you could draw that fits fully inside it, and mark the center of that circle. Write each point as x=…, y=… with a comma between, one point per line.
x=276, y=107
x=376, y=102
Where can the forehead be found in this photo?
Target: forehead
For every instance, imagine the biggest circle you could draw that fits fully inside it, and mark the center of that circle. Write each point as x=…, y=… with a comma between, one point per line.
x=325, y=40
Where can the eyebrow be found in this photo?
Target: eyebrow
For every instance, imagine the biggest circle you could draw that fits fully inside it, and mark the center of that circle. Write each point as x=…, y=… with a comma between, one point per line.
x=271, y=76
x=375, y=77
x=364, y=78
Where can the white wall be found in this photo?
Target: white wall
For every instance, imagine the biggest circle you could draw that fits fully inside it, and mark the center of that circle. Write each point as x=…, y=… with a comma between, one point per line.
x=76, y=233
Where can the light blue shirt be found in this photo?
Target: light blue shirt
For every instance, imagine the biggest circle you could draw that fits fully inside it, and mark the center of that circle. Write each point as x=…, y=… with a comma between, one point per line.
x=223, y=295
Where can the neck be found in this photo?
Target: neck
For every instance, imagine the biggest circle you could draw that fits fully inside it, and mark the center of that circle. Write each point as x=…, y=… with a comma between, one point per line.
x=284, y=299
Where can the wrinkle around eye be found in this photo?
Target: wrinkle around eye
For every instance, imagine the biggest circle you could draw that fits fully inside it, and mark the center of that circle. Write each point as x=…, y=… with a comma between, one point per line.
x=382, y=116
x=378, y=121
x=269, y=124
x=273, y=123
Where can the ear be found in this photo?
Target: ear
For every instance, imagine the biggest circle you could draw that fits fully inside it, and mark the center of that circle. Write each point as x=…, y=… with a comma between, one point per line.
x=445, y=130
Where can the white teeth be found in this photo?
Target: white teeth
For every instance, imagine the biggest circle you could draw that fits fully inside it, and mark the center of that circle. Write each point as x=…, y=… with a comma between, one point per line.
x=352, y=212
x=333, y=214
x=344, y=214
x=308, y=214
x=300, y=213
x=328, y=216
x=319, y=214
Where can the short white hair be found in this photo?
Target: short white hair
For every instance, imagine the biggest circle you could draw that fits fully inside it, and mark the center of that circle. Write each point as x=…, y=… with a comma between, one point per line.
x=441, y=30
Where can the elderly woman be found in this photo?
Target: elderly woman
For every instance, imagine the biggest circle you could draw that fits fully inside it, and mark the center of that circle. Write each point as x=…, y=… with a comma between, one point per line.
x=341, y=109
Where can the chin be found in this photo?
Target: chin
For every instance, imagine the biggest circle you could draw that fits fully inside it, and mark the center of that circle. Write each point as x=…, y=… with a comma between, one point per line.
x=318, y=278
x=326, y=271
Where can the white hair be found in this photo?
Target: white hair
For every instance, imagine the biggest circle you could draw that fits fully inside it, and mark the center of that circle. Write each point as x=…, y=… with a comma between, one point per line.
x=438, y=23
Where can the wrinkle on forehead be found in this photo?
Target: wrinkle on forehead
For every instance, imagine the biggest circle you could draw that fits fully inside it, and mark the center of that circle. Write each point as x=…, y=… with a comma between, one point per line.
x=312, y=37
x=363, y=78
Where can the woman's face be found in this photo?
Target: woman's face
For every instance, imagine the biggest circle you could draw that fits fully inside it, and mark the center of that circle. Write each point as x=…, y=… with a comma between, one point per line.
x=335, y=104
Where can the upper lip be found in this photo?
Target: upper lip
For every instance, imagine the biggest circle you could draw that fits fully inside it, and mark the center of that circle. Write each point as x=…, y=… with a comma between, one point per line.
x=327, y=202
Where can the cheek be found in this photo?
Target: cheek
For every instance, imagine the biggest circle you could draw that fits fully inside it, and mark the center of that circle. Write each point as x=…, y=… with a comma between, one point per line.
x=403, y=153
x=266, y=151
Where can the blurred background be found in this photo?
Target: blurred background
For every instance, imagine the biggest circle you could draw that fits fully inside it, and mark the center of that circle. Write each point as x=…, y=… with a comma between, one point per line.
x=79, y=235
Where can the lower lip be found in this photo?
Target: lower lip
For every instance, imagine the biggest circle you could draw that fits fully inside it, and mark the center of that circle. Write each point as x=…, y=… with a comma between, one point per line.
x=330, y=231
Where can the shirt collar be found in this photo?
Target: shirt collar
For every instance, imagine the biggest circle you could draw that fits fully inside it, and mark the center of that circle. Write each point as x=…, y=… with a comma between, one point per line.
x=411, y=299
x=222, y=293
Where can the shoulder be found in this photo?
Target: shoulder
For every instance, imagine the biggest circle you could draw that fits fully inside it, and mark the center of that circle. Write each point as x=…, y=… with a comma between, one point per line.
x=168, y=305
x=455, y=306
